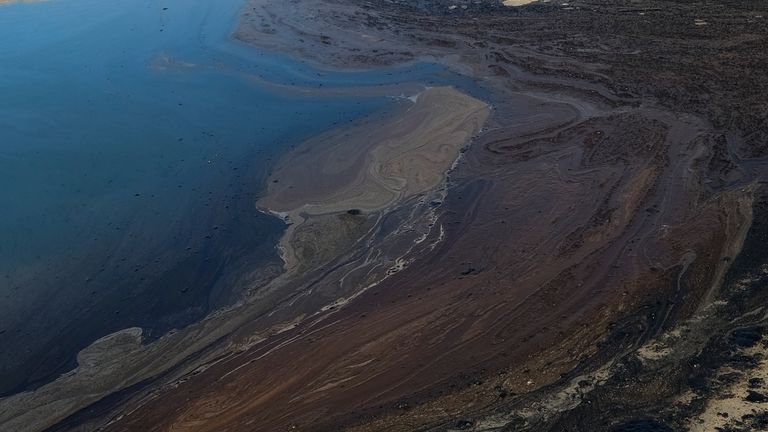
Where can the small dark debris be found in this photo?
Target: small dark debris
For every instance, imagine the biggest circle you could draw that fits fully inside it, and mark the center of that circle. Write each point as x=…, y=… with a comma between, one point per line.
x=464, y=424
x=402, y=406
x=755, y=397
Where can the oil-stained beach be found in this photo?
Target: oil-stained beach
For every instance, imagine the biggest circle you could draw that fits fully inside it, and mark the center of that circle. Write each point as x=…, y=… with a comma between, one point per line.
x=514, y=217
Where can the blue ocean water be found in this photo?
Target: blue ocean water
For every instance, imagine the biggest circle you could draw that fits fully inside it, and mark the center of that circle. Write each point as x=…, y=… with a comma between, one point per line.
x=133, y=145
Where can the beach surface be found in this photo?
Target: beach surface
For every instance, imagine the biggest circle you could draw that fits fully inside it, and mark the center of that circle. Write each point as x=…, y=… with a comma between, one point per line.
x=374, y=165
x=379, y=162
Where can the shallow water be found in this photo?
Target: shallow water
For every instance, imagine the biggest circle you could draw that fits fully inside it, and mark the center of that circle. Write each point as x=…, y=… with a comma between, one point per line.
x=133, y=144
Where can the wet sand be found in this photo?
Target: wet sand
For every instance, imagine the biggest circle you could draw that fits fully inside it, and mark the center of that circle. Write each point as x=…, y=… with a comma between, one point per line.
x=374, y=165
x=554, y=228
x=518, y=286
x=561, y=231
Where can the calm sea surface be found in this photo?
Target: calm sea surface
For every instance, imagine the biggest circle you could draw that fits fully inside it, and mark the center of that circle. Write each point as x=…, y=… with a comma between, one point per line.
x=133, y=144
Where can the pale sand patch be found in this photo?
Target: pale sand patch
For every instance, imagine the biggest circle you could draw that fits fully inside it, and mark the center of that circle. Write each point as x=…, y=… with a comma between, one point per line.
x=514, y=3
x=100, y=370
x=731, y=401
x=377, y=163
x=9, y=2
x=374, y=165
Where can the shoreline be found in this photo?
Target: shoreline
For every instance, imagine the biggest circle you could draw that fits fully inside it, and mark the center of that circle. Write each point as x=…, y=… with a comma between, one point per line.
x=48, y=405
x=561, y=259
x=600, y=106
x=305, y=39
x=309, y=182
